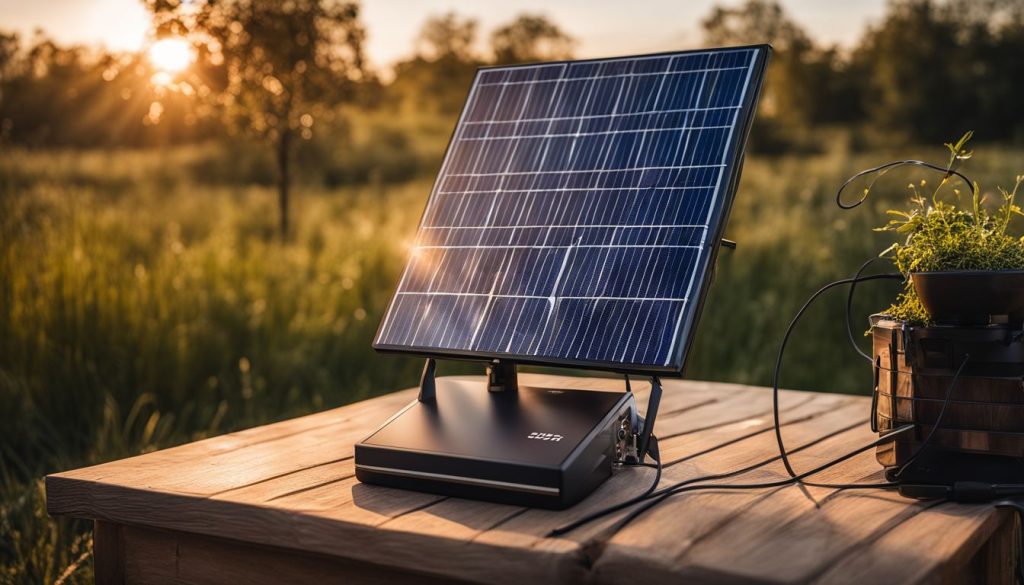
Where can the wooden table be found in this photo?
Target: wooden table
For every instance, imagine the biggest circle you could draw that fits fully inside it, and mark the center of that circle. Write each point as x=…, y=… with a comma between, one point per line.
x=280, y=503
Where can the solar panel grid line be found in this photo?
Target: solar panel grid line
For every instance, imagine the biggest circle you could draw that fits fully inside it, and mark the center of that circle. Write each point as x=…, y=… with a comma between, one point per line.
x=554, y=190
x=661, y=168
x=718, y=185
x=579, y=134
x=386, y=321
x=552, y=301
x=620, y=342
x=543, y=297
x=570, y=247
x=544, y=238
x=601, y=78
x=558, y=226
x=503, y=273
x=688, y=136
x=498, y=275
x=607, y=145
x=498, y=123
x=476, y=260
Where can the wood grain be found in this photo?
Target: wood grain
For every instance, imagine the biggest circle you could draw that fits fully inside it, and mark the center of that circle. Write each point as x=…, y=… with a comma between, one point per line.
x=289, y=489
x=985, y=411
x=160, y=557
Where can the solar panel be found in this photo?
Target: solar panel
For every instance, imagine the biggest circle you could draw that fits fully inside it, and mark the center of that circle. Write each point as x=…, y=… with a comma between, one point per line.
x=578, y=211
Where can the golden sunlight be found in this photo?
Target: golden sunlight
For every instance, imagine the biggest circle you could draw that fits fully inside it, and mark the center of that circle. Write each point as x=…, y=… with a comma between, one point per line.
x=170, y=55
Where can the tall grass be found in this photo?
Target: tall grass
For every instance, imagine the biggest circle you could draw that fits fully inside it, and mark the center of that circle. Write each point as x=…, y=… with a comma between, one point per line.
x=142, y=305
x=138, y=310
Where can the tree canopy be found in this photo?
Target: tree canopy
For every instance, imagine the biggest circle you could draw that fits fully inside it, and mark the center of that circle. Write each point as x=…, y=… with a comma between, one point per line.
x=282, y=71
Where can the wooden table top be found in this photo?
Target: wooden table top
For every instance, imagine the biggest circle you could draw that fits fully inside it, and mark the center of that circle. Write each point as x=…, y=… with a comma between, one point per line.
x=291, y=485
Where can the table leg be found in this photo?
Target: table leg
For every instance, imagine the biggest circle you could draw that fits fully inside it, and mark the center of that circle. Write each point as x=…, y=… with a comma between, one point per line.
x=108, y=553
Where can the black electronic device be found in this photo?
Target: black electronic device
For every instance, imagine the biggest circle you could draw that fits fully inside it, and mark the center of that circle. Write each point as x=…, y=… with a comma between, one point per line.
x=541, y=447
x=575, y=222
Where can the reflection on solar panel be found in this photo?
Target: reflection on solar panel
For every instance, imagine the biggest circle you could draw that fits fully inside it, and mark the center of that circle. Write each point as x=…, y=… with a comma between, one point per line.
x=578, y=211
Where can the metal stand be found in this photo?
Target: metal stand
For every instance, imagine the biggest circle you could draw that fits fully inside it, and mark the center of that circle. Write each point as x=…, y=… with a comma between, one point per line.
x=649, y=417
x=428, y=388
x=501, y=376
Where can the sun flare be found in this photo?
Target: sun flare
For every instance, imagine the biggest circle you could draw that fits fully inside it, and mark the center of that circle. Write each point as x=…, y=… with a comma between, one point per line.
x=171, y=55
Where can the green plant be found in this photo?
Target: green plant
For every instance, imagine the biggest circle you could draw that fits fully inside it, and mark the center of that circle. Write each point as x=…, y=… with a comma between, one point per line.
x=941, y=235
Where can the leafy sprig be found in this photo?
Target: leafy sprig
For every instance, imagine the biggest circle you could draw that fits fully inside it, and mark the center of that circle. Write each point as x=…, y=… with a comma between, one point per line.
x=941, y=235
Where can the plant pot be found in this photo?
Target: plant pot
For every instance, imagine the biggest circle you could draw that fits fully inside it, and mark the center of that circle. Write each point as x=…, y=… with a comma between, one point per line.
x=971, y=296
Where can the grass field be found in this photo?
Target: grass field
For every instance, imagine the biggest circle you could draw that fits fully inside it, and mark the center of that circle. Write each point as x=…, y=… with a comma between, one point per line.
x=142, y=306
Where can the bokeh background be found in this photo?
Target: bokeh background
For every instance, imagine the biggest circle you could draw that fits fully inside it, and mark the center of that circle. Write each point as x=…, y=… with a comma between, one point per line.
x=204, y=206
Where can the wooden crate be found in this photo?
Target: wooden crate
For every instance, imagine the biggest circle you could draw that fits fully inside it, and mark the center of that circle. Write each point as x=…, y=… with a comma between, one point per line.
x=913, y=369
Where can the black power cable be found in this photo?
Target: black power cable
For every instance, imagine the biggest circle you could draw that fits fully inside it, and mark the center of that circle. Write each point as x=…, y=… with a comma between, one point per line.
x=654, y=497
x=882, y=169
x=849, y=308
x=778, y=367
x=687, y=487
x=785, y=340
x=688, y=484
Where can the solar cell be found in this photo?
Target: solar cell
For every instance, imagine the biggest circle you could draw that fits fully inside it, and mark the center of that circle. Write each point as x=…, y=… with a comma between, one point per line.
x=578, y=211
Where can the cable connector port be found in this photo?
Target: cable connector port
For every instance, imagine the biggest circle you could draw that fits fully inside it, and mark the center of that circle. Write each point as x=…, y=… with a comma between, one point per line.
x=625, y=441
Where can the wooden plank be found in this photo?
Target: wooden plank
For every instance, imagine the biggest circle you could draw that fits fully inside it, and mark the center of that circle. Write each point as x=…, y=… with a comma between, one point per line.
x=997, y=560
x=159, y=557
x=528, y=530
x=932, y=547
x=291, y=487
x=746, y=528
x=461, y=519
x=730, y=535
x=237, y=460
x=311, y=503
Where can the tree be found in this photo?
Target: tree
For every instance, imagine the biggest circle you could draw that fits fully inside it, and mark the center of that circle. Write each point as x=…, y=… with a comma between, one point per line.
x=9, y=45
x=434, y=82
x=530, y=37
x=933, y=70
x=798, y=91
x=447, y=37
x=272, y=68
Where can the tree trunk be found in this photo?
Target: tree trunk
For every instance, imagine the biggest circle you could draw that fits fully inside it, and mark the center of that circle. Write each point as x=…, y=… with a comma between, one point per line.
x=283, y=177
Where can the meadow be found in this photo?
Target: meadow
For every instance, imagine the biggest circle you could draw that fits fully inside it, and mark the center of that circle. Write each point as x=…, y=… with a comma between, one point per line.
x=144, y=304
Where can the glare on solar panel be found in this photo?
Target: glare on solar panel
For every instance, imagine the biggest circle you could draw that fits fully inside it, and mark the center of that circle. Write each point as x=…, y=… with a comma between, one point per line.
x=578, y=211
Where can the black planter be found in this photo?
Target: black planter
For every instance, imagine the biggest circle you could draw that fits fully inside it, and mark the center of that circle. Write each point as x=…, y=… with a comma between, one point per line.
x=971, y=296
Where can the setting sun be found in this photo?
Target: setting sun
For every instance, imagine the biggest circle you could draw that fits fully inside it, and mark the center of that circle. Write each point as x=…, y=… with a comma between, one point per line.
x=171, y=55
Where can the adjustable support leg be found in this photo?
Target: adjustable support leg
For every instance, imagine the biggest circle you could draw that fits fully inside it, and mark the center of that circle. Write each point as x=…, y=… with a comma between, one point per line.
x=649, y=417
x=428, y=389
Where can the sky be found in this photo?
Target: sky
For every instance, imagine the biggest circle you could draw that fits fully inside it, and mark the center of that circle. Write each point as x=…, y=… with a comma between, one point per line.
x=602, y=27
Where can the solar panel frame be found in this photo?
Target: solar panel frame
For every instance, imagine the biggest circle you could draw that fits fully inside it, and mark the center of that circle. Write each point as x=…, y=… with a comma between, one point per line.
x=706, y=259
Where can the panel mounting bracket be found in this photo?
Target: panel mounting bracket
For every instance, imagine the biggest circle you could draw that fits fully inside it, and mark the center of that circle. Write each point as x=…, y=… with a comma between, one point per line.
x=501, y=376
x=649, y=417
x=428, y=387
